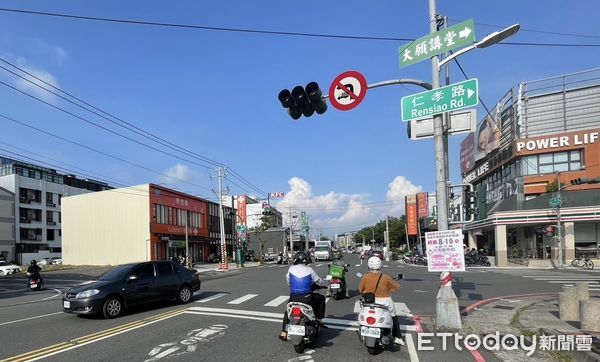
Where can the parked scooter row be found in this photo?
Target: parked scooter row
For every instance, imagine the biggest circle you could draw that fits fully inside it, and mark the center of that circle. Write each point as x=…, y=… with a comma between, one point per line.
x=415, y=259
x=473, y=257
x=375, y=320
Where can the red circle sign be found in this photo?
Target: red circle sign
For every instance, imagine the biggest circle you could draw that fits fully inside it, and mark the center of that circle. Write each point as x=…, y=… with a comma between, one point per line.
x=347, y=90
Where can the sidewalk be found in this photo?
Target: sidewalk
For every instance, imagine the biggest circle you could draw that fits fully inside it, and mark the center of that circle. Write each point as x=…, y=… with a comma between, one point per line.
x=536, y=318
x=214, y=267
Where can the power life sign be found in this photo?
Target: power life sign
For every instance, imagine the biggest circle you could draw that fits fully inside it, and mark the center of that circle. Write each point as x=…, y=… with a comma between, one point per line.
x=441, y=100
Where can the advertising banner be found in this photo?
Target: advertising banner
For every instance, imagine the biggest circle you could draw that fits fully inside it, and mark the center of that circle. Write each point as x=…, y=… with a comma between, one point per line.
x=241, y=210
x=411, y=215
x=422, y=205
x=467, y=154
x=445, y=251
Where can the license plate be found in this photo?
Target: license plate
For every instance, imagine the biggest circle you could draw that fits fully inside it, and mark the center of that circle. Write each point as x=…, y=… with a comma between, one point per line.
x=66, y=304
x=335, y=286
x=33, y=285
x=370, y=332
x=296, y=330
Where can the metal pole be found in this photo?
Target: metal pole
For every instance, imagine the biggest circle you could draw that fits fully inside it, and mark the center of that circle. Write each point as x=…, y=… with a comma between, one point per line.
x=187, y=243
x=447, y=309
x=224, y=262
x=446, y=120
x=291, y=235
x=387, y=233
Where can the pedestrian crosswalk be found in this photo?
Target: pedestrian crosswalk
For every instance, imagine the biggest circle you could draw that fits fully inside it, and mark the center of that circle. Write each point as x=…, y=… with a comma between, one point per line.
x=566, y=278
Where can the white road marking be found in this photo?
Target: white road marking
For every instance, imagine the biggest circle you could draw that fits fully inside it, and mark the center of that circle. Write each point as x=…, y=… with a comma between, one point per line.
x=566, y=281
x=243, y=299
x=386, y=266
x=357, y=265
x=26, y=319
x=327, y=300
x=412, y=351
x=277, y=301
x=212, y=297
x=301, y=358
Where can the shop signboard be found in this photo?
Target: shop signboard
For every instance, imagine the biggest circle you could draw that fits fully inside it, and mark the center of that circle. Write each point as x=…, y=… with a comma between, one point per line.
x=411, y=215
x=445, y=251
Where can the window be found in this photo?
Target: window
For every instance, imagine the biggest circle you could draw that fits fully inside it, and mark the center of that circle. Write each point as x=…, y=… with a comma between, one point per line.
x=144, y=271
x=49, y=216
x=50, y=234
x=155, y=212
x=59, y=198
x=551, y=162
x=49, y=199
x=164, y=269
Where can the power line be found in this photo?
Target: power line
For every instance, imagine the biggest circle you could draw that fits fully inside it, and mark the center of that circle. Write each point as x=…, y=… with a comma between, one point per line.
x=124, y=124
x=253, y=31
x=101, y=152
x=201, y=27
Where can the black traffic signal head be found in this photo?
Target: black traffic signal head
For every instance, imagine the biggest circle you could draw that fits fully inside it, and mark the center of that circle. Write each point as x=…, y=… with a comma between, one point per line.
x=576, y=181
x=315, y=97
x=287, y=101
x=301, y=101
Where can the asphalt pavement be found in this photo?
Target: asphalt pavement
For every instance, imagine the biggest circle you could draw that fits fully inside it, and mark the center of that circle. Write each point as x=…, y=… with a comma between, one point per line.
x=237, y=314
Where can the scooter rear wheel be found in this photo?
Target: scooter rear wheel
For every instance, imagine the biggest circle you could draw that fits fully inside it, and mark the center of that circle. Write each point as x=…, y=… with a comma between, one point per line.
x=374, y=350
x=299, y=348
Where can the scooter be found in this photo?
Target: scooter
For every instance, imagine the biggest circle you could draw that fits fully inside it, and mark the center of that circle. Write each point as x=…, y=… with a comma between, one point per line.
x=35, y=282
x=375, y=325
x=282, y=259
x=303, y=328
x=337, y=281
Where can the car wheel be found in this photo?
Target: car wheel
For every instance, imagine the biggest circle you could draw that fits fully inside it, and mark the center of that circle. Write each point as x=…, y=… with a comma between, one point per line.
x=184, y=295
x=112, y=308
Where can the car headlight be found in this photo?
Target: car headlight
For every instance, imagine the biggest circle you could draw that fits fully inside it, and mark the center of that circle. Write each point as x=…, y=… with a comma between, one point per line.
x=87, y=293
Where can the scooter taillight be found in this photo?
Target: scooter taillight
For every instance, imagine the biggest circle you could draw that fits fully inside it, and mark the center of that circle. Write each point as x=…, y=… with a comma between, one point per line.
x=296, y=312
x=371, y=320
x=335, y=281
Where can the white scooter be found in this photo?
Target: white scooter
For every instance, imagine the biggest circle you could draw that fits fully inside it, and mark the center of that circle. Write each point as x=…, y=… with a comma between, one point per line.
x=303, y=328
x=375, y=325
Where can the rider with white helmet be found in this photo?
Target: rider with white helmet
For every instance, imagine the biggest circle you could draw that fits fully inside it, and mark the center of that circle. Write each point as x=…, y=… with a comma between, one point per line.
x=382, y=286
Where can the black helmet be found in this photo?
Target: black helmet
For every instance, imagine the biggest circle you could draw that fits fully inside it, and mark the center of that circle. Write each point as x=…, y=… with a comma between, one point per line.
x=33, y=262
x=300, y=257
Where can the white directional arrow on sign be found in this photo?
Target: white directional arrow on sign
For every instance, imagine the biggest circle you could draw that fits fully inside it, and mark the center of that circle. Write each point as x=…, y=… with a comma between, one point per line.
x=470, y=93
x=464, y=33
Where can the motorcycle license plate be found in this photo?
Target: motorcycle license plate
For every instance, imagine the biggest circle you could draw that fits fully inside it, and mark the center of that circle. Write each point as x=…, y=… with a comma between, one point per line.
x=296, y=330
x=370, y=332
x=33, y=285
x=335, y=286
x=66, y=304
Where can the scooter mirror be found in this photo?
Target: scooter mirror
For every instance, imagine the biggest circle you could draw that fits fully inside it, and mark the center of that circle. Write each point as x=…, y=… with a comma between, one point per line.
x=359, y=275
x=400, y=276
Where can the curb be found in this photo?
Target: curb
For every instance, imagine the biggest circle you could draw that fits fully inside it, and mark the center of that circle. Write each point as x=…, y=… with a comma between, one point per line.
x=476, y=305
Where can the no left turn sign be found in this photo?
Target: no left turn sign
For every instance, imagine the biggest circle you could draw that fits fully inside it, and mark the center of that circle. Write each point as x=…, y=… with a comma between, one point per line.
x=347, y=90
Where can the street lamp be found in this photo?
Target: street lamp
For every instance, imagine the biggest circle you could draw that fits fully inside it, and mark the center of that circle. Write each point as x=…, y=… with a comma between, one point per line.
x=491, y=39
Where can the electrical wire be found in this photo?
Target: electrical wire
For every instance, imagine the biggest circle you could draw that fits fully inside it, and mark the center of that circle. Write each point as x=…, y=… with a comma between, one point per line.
x=101, y=152
x=253, y=31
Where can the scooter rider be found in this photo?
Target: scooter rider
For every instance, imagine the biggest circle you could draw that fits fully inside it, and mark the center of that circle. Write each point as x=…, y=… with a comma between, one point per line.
x=33, y=270
x=300, y=277
x=382, y=292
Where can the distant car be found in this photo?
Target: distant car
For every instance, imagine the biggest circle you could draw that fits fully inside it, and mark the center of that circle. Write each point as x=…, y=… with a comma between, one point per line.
x=55, y=260
x=8, y=268
x=377, y=253
x=131, y=284
x=45, y=261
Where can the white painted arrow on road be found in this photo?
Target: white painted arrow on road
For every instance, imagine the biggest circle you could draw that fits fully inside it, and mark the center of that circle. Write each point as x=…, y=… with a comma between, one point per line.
x=464, y=33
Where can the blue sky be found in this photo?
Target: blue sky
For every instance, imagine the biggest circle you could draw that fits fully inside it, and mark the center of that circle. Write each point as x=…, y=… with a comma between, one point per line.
x=215, y=92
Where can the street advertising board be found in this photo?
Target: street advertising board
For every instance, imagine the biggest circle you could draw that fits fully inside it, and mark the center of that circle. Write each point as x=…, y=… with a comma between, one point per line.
x=411, y=215
x=449, y=98
x=445, y=251
x=433, y=44
x=347, y=90
x=422, y=204
x=467, y=154
x=275, y=195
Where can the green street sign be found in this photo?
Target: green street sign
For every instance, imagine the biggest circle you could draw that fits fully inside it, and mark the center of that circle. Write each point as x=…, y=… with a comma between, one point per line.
x=437, y=43
x=555, y=202
x=445, y=99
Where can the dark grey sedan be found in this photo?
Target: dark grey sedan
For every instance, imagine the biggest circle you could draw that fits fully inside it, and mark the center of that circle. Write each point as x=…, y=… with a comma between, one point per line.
x=131, y=284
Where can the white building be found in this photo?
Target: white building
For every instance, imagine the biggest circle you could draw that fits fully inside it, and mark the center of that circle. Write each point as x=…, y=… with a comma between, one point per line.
x=7, y=224
x=37, y=217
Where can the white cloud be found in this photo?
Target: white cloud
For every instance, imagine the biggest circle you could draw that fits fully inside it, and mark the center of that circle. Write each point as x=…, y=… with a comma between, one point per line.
x=60, y=54
x=27, y=86
x=336, y=212
x=178, y=173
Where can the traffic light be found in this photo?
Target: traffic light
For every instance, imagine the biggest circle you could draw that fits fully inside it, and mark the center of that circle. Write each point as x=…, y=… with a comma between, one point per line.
x=470, y=203
x=579, y=181
x=303, y=101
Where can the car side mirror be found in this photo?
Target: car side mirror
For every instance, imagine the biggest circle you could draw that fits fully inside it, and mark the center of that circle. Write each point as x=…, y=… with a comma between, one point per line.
x=359, y=275
x=132, y=278
x=400, y=276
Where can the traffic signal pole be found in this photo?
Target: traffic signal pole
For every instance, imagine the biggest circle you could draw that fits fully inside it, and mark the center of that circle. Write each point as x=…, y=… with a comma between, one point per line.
x=447, y=309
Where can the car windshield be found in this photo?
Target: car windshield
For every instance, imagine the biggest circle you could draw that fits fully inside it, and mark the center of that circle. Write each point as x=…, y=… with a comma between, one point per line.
x=116, y=273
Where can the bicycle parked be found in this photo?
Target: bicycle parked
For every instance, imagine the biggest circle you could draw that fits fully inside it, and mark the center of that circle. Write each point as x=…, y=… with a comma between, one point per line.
x=583, y=262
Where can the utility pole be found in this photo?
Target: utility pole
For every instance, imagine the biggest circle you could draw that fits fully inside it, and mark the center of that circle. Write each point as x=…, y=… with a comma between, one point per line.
x=387, y=235
x=291, y=235
x=447, y=309
x=187, y=242
x=558, y=224
x=224, y=261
